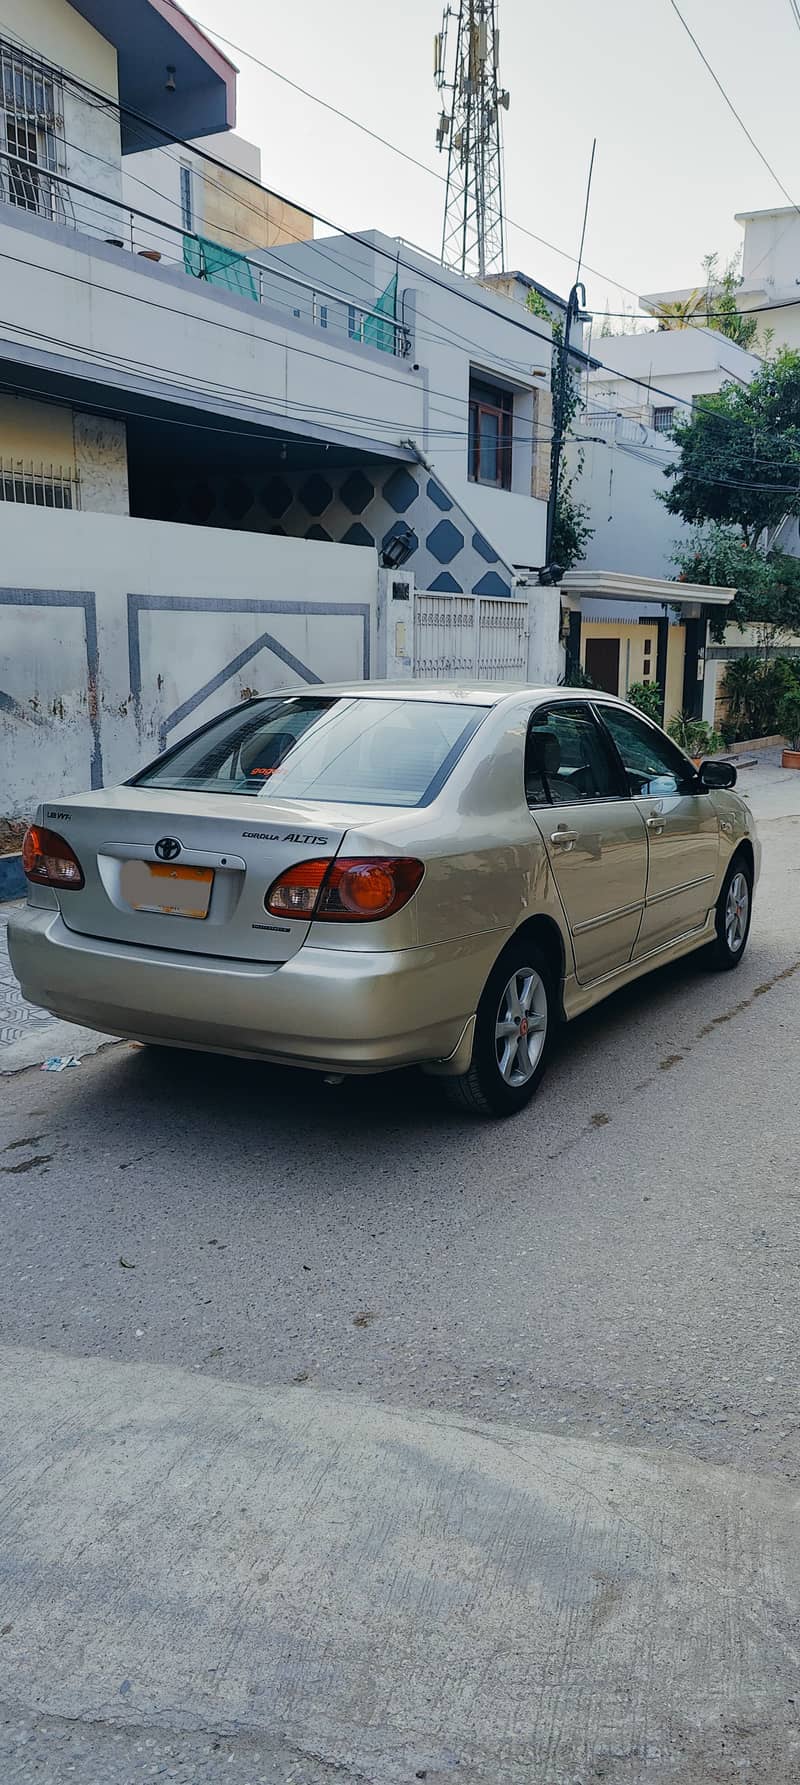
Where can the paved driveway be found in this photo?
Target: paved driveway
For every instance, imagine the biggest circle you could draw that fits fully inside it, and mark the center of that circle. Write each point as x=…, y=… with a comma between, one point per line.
x=346, y=1439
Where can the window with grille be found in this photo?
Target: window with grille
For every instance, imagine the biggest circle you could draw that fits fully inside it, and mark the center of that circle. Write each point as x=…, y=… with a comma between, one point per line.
x=187, y=199
x=662, y=420
x=38, y=486
x=32, y=147
x=491, y=413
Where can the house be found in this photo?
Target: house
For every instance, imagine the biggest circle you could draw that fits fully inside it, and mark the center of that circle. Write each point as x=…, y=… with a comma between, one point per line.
x=648, y=628
x=770, y=259
x=230, y=458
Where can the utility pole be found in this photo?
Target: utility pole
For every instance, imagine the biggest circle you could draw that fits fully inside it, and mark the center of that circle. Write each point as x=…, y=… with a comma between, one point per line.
x=575, y=303
x=467, y=74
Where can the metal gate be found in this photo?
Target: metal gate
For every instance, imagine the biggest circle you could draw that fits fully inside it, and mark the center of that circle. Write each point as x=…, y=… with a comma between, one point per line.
x=484, y=637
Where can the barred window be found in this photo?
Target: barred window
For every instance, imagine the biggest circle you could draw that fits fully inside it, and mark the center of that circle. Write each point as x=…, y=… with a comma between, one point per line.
x=32, y=146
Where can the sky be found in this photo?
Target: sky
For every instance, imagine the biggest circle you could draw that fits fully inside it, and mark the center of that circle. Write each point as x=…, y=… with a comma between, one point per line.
x=671, y=167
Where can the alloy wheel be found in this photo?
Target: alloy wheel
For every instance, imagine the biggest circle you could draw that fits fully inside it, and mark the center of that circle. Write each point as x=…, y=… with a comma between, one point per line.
x=521, y=1026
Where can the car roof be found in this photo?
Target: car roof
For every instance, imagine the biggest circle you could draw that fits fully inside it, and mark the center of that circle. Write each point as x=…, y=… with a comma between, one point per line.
x=479, y=694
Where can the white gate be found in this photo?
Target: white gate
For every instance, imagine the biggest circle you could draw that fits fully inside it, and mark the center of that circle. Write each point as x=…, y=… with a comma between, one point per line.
x=484, y=637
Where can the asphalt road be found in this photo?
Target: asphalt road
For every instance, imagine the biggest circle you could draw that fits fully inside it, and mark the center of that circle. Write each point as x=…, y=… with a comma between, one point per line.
x=605, y=1288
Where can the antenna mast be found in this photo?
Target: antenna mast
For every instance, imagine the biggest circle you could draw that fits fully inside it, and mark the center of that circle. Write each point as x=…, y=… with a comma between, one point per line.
x=467, y=74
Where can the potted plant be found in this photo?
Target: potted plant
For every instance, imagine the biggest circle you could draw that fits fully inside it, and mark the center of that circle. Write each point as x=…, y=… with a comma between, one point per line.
x=789, y=722
x=696, y=737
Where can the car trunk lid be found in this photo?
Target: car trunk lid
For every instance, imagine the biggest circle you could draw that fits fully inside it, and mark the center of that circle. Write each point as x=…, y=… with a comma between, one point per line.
x=190, y=874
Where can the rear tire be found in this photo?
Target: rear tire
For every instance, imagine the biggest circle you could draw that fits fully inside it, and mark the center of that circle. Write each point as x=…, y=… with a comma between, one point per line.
x=734, y=912
x=514, y=1029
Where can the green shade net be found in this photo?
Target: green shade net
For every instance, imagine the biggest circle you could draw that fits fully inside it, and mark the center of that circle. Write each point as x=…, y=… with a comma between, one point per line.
x=381, y=334
x=219, y=266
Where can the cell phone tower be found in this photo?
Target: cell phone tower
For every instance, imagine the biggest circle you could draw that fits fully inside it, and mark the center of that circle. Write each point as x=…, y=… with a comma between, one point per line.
x=467, y=74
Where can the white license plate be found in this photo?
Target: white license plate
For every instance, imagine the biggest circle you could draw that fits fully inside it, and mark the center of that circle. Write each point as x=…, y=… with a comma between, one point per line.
x=171, y=891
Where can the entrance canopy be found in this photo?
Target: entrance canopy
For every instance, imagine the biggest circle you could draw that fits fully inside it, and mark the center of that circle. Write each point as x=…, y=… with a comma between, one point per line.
x=611, y=586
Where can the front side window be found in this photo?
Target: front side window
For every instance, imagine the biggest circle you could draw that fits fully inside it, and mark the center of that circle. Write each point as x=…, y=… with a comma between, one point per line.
x=32, y=145
x=567, y=759
x=653, y=765
x=318, y=747
x=491, y=415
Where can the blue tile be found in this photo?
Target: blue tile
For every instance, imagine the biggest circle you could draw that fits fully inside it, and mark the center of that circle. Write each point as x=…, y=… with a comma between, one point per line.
x=438, y=496
x=357, y=535
x=315, y=493
x=400, y=490
x=483, y=548
x=356, y=492
x=444, y=542
x=492, y=584
x=276, y=497
x=445, y=584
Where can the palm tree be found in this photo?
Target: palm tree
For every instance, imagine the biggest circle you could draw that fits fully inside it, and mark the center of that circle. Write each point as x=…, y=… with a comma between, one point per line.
x=682, y=313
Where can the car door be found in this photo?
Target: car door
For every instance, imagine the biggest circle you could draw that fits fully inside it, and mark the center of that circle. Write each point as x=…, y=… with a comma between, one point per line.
x=682, y=829
x=593, y=832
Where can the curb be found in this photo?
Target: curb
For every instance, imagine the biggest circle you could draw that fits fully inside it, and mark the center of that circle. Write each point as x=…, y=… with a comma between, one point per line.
x=13, y=884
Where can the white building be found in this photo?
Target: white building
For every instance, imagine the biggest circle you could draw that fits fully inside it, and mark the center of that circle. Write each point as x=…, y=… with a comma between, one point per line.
x=247, y=435
x=655, y=376
x=770, y=274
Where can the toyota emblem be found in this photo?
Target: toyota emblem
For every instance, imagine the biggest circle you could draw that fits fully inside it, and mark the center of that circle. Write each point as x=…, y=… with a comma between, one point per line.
x=167, y=848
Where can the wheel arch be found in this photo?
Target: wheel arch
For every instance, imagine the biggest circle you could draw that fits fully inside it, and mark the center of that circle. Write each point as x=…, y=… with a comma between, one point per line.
x=544, y=930
x=744, y=851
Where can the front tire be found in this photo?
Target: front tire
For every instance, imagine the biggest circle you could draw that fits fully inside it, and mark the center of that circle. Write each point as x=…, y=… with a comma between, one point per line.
x=734, y=912
x=514, y=1029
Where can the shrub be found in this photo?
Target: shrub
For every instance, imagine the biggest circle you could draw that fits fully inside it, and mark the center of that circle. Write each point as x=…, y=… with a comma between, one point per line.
x=647, y=696
x=789, y=717
x=695, y=736
x=754, y=691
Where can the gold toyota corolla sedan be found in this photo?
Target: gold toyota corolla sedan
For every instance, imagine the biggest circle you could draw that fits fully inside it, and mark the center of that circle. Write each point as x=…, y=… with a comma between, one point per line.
x=379, y=875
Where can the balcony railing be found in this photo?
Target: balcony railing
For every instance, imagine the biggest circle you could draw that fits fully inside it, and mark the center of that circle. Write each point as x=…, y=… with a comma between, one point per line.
x=100, y=215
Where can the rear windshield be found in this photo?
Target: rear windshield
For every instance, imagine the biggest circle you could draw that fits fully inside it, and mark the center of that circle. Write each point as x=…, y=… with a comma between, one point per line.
x=366, y=751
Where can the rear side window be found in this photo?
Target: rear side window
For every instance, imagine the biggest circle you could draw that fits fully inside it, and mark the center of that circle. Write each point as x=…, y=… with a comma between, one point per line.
x=567, y=758
x=317, y=747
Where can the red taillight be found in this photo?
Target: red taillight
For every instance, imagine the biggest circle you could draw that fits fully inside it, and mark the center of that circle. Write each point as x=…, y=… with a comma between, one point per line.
x=348, y=890
x=48, y=860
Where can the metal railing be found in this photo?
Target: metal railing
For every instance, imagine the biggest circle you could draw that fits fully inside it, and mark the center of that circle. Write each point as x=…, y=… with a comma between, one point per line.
x=39, y=485
x=106, y=218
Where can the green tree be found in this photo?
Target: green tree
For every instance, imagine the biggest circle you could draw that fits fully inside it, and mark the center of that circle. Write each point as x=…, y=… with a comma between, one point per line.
x=721, y=310
x=571, y=530
x=767, y=584
x=739, y=449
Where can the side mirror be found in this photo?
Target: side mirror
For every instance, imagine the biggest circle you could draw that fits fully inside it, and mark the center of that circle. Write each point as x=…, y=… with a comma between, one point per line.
x=716, y=774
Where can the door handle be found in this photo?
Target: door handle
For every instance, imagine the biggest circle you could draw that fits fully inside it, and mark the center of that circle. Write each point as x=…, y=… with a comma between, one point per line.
x=655, y=823
x=563, y=838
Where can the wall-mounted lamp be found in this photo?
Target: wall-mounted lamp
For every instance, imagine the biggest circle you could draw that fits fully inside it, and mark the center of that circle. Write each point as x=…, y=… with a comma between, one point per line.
x=170, y=82
x=397, y=549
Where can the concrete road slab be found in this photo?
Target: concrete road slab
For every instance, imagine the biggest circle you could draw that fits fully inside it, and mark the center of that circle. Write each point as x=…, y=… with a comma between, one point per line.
x=388, y=1595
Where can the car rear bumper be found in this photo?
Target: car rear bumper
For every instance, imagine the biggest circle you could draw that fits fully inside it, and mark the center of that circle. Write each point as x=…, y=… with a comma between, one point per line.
x=329, y=1008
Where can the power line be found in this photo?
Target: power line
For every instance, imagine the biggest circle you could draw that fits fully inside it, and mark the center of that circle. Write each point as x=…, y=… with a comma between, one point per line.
x=108, y=99
x=423, y=166
x=729, y=102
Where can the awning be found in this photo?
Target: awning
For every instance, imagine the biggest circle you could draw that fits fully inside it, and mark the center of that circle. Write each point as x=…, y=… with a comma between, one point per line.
x=616, y=585
x=151, y=36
